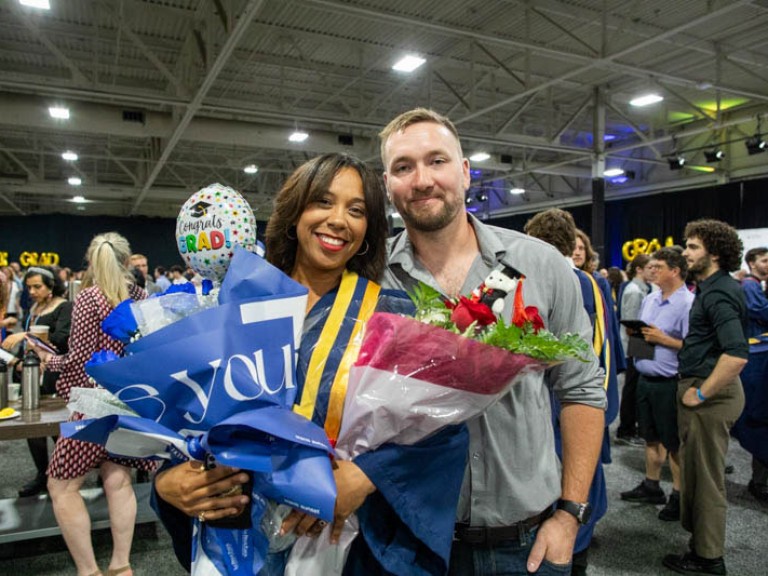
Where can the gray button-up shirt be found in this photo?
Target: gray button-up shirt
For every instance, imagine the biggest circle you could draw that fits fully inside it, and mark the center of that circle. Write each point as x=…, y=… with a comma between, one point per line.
x=512, y=471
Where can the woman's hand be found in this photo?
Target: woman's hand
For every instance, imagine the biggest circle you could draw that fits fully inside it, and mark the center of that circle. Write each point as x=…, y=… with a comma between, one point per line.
x=44, y=355
x=13, y=340
x=352, y=487
x=195, y=491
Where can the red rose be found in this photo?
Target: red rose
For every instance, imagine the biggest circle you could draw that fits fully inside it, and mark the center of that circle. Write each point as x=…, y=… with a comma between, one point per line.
x=534, y=318
x=466, y=311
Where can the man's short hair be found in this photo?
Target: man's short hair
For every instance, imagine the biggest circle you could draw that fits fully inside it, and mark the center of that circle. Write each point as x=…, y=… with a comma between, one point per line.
x=177, y=268
x=555, y=227
x=160, y=270
x=720, y=240
x=136, y=257
x=673, y=259
x=753, y=254
x=416, y=116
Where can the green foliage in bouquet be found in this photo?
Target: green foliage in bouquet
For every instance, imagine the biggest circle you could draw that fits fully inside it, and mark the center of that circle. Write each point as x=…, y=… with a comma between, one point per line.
x=473, y=319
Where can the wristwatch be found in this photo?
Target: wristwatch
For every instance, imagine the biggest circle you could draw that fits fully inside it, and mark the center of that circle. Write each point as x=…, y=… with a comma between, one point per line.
x=581, y=511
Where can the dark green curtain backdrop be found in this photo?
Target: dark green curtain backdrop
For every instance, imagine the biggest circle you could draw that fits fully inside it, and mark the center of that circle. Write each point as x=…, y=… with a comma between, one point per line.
x=742, y=204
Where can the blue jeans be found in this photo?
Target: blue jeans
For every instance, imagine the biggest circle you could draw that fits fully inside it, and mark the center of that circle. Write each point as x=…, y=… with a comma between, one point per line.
x=503, y=559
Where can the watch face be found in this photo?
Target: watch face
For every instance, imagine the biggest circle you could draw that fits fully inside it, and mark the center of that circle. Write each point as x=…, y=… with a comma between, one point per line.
x=585, y=513
x=581, y=511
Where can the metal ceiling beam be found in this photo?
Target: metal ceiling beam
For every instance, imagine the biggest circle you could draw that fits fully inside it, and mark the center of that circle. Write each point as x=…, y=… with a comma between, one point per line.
x=77, y=75
x=564, y=55
x=33, y=177
x=226, y=50
x=10, y=203
x=560, y=131
x=600, y=61
x=516, y=114
x=181, y=90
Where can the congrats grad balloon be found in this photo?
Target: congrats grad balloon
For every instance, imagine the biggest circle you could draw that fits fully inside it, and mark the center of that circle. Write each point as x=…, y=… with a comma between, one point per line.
x=209, y=225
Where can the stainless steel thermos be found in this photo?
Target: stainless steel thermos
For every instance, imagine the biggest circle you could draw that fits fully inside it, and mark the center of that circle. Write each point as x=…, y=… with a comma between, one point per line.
x=30, y=381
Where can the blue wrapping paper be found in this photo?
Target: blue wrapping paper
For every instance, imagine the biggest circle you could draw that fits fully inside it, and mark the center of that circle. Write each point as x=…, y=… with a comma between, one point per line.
x=222, y=382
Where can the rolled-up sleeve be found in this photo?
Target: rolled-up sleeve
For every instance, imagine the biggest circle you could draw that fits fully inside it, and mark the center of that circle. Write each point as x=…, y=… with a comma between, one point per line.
x=726, y=319
x=574, y=381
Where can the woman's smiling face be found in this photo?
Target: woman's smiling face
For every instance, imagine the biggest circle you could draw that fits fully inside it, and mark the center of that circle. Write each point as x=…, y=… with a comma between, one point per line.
x=331, y=229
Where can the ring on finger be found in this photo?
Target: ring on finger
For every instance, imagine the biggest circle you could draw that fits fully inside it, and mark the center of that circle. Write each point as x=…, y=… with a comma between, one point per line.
x=201, y=516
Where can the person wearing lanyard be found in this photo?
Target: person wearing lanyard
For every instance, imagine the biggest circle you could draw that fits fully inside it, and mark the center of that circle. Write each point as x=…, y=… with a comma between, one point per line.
x=50, y=309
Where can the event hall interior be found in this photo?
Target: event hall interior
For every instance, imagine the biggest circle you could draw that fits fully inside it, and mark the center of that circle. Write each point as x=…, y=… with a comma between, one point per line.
x=113, y=112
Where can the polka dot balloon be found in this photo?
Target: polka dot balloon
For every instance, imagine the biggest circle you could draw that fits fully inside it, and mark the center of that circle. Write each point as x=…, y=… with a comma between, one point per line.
x=209, y=225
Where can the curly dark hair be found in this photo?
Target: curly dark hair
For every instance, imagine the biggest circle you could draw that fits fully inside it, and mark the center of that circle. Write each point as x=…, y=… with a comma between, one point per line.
x=555, y=227
x=673, y=259
x=719, y=239
x=49, y=275
x=309, y=183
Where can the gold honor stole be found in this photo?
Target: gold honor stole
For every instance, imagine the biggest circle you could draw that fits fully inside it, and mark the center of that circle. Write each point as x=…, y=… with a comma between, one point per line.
x=600, y=343
x=344, y=306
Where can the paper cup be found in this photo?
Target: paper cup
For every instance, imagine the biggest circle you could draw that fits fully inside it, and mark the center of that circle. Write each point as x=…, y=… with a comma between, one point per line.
x=40, y=331
x=14, y=391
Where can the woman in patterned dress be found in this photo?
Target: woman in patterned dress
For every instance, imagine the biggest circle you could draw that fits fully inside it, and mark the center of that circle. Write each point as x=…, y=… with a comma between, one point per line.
x=108, y=257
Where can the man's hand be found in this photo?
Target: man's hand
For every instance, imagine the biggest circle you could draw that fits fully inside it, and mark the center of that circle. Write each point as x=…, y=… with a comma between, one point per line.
x=193, y=490
x=654, y=335
x=690, y=398
x=554, y=541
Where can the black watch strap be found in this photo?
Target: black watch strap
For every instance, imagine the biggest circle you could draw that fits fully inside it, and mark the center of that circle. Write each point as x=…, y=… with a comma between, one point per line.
x=579, y=510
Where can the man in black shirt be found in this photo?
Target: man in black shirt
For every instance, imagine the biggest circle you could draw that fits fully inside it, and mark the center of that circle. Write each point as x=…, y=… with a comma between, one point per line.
x=710, y=395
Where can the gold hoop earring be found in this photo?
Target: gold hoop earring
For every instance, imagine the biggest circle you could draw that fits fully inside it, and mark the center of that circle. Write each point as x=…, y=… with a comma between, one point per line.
x=364, y=252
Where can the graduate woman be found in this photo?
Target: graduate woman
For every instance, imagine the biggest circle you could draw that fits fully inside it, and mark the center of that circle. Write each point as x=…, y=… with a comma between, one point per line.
x=328, y=232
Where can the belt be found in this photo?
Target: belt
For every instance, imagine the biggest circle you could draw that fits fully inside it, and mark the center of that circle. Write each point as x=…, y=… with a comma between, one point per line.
x=674, y=378
x=490, y=535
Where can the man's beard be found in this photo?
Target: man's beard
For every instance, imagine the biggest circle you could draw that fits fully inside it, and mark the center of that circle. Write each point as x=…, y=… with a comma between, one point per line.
x=700, y=266
x=431, y=222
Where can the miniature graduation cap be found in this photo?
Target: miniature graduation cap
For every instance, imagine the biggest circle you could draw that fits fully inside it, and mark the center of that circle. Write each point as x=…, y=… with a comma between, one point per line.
x=200, y=209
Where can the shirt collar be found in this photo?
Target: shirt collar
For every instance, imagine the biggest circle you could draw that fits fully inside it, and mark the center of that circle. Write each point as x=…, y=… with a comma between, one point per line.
x=705, y=284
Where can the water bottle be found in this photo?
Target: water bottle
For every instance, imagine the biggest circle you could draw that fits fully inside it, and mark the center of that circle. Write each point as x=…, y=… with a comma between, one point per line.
x=3, y=384
x=30, y=381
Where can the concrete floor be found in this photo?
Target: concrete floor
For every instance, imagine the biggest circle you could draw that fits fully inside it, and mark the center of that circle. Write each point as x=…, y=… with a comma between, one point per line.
x=629, y=539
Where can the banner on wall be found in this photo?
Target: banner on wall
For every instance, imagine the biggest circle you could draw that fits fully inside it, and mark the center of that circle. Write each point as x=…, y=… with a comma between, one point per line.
x=752, y=238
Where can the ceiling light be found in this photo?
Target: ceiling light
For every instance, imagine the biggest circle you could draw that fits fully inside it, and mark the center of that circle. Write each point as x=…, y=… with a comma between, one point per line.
x=611, y=172
x=74, y=181
x=468, y=200
x=480, y=157
x=298, y=136
x=69, y=156
x=481, y=196
x=41, y=4
x=79, y=199
x=713, y=156
x=676, y=162
x=251, y=169
x=59, y=112
x=408, y=63
x=609, y=137
x=517, y=191
x=755, y=145
x=646, y=100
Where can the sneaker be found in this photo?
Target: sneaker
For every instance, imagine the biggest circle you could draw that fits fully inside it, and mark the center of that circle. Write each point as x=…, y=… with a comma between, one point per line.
x=626, y=440
x=671, y=512
x=690, y=563
x=35, y=486
x=644, y=494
